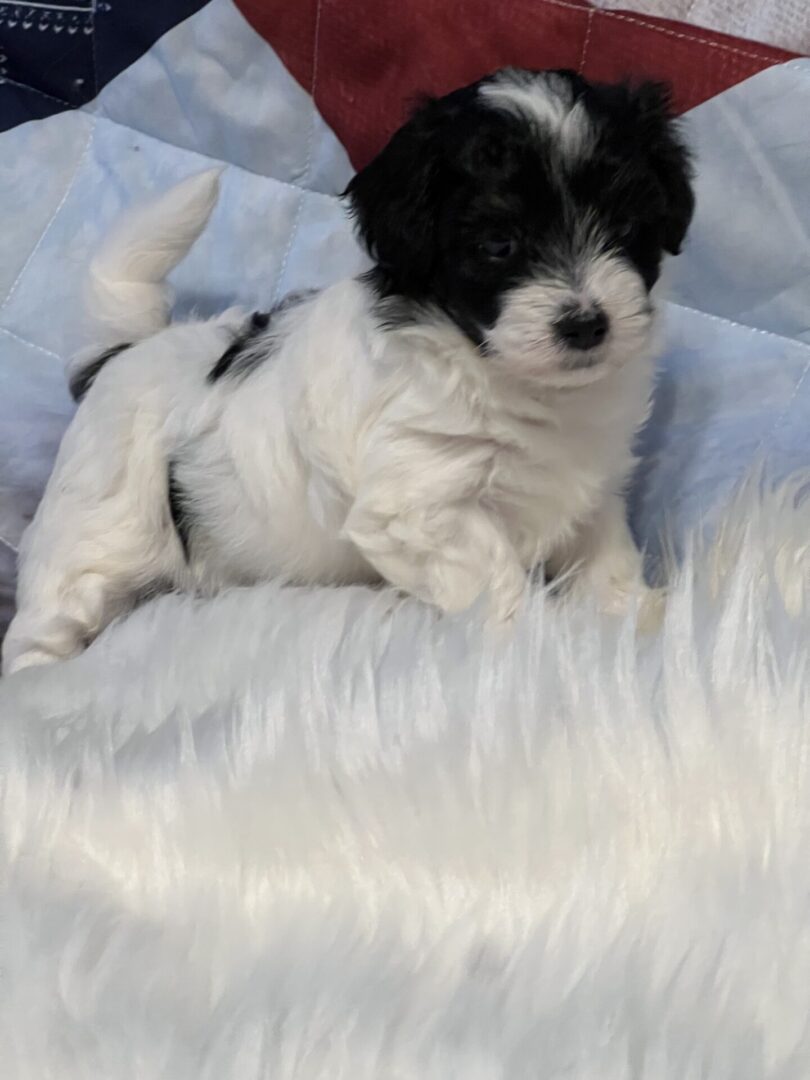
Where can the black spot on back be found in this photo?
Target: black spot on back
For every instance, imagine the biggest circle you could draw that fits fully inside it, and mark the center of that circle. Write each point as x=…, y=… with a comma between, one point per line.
x=179, y=510
x=239, y=358
x=258, y=323
x=83, y=379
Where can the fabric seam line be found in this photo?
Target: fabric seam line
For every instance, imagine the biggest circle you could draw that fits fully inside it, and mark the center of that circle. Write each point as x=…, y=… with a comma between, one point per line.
x=308, y=160
x=739, y=325
x=15, y=284
x=31, y=344
x=83, y=110
x=606, y=13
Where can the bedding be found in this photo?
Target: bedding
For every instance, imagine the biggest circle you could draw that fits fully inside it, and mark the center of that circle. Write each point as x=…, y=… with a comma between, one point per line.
x=323, y=833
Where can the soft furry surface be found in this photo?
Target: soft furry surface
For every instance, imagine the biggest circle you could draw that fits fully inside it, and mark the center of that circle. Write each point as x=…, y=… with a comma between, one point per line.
x=328, y=834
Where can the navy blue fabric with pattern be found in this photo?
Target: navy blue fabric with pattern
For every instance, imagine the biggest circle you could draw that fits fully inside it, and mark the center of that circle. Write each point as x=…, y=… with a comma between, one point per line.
x=56, y=56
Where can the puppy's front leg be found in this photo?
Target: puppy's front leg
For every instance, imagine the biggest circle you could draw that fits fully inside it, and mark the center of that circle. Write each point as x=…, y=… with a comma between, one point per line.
x=447, y=556
x=603, y=559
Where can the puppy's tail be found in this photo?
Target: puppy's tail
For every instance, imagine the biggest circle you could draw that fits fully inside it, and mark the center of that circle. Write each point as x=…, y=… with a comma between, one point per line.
x=126, y=296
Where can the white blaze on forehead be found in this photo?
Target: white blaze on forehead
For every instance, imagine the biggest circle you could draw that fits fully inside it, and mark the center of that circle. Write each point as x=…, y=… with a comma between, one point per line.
x=546, y=100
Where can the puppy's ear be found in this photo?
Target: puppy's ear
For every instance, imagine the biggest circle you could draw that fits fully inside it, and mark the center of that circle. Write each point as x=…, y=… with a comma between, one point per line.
x=394, y=199
x=668, y=157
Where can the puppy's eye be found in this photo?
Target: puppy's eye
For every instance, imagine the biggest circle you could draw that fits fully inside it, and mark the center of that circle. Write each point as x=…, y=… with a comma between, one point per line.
x=498, y=248
x=625, y=229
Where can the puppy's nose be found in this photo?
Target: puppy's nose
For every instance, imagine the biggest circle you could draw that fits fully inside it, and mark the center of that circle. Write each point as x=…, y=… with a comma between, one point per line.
x=582, y=329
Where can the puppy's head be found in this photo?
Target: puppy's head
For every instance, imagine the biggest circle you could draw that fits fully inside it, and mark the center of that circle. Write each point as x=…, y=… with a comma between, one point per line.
x=534, y=209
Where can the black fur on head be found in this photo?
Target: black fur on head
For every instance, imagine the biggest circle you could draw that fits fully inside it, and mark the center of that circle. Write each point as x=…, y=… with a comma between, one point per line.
x=511, y=179
x=641, y=138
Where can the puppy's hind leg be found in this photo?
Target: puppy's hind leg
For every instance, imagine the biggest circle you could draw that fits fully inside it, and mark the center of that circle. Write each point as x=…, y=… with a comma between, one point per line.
x=94, y=575
x=102, y=534
x=57, y=619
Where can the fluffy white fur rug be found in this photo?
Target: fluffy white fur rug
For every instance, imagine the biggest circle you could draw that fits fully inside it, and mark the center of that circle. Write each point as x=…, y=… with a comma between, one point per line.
x=324, y=834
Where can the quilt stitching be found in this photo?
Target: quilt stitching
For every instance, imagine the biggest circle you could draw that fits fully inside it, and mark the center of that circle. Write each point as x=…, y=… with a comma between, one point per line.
x=739, y=325
x=767, y=439
x=770, y=435
x=665, y=30
x=308, y=161
x=33, y=90
x=4, y=541
x=81, y=8
x=587, y=41
x=48, y=226
x=93, y=55
x=722, y=46
x=95, y=119
x=205, y=157
x=31, y=344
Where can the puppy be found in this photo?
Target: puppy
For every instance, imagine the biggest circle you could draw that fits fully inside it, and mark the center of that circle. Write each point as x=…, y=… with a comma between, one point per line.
x=444, y=422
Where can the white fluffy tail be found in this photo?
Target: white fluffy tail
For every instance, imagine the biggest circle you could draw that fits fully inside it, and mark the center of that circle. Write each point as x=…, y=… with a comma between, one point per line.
x=126, y=296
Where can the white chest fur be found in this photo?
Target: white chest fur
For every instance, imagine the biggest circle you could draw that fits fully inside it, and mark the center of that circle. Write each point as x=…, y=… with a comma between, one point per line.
x=413, y=422
x=566, y=451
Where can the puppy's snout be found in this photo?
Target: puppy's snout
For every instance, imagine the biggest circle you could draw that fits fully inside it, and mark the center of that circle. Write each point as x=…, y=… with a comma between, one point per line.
x=582, y=329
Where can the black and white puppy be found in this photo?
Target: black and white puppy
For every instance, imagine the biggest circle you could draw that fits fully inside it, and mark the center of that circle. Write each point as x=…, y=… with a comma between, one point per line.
x=443, y=422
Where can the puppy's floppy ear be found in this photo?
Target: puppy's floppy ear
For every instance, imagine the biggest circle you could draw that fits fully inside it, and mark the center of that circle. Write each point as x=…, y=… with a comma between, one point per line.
x=394, y=199
x=668, y=157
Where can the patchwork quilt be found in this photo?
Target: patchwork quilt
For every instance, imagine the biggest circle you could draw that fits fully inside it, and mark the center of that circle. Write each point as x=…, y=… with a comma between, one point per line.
x=104, y=102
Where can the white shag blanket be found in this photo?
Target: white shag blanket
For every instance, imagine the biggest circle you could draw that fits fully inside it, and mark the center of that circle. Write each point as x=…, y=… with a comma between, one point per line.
x=326, y=834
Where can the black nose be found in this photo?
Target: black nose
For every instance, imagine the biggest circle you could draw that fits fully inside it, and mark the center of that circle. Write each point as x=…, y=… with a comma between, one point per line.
x=582, y=329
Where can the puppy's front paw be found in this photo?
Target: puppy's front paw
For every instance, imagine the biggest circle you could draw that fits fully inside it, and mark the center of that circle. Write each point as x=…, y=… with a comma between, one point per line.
x=29, y=643
x=14, y=662
x=506, y=595
x=651, y=610
x=633, y=597
x=619, y=597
